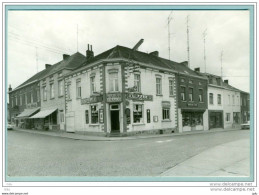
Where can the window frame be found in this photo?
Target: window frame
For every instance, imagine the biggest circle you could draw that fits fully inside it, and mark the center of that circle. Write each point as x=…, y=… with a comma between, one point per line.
x=52, y=91
x=211, y=99
x=171, y=86
x=137, y=82
x=44, y=89
x=78, y=89
x=183, y=93
x=166, y=115
x=190, y=99
x=159, y=86
x=91, y=112
x=113, y=81
x=60, y=89
x=201, y=98
x=142, y=114
x=219, y=98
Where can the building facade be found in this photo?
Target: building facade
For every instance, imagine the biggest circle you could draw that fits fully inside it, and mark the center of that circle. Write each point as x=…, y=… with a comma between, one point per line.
x=245, y=107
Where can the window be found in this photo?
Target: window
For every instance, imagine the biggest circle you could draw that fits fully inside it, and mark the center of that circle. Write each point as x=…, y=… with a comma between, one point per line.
x=113, y=81
x=171, y=87
x=78, y=89
x=86, y=117
x=191, y=94
x=192, y=119
x=166, y=113
x=227, y=116
x=183, y=93
x=211, y=98
x=137, y=82
x=16, y=100
x=21, y=99
x=38, y=95
x=94, y=114
x=228, y=99
x=158, y=86
x=200, y=95
x=92, y=84
x=68, y=92
x=28, y=97
x=61, y=114
x=237, y=100
x=219, y=99
x=44, y=93
x=233, y=97
x=60, y=88
x=51, y=91
x=31, y=96
x=138, y=113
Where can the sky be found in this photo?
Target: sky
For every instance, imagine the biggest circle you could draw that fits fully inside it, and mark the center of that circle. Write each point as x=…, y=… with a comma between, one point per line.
x=36, y=38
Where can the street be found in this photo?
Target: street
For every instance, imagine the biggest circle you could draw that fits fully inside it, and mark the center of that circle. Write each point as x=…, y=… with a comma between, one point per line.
x=32, y=154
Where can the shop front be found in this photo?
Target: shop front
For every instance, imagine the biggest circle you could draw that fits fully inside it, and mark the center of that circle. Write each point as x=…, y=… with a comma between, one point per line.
x=215, y=119
x=192, y=120
x=24, y=120
x=46, y=119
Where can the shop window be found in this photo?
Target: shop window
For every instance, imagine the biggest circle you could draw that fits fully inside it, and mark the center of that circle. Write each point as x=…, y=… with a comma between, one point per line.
x=137, y=82
x=78, y=89
x=158, y=86
x=227, y=117
x=200, y=95
x=191, y=94
x=166, y=113
x=94, y=114
x=16, y=100
x=60, y=88
x=86, y=117
x=52, y=95
x=171, y=87
x=219, y=99
x=183, y=93
x=113, y=82
x=44, y=93
x=192, y=119
x=138, y=113
x=211, y=98
x=92, y=84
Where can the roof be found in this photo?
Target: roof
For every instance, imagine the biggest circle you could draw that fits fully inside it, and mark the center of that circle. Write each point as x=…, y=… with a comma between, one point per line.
x=71, y=62
x=138, y=56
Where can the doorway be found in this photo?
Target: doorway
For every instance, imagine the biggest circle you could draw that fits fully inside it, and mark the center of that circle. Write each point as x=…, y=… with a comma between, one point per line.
x=115, y=118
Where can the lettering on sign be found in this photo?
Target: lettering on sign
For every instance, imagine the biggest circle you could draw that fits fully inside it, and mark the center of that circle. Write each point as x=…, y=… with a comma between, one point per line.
x=92, y=99
x=192, y=104
x=32, y=105
x=134, y=96
x=114, y=97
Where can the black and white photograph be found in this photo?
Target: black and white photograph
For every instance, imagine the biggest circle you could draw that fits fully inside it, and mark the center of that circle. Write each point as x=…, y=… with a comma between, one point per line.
x=129, y=94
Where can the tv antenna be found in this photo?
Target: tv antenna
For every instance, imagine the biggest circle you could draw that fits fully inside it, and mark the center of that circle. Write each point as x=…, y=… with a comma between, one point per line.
x=169, y=18
x=188, y=44
x=204, y=41
x=221, y=59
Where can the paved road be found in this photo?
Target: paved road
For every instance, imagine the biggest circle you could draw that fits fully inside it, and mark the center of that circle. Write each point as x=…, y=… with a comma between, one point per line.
x=41, y=155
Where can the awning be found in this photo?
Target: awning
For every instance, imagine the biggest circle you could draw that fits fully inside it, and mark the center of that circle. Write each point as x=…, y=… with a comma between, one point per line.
x=44, y=113
x=27, y=113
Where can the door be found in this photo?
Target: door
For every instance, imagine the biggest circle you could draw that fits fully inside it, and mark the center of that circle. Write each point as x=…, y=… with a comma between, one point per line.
x=115, y=122
x=61, y=120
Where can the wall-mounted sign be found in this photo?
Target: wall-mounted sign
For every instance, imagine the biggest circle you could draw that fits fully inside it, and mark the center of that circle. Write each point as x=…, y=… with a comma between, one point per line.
x=166, y=104
x=92, y=99
x=134, y=96
x=100, y=115
x=192, y=104
x=32, y=105
x=113, y=97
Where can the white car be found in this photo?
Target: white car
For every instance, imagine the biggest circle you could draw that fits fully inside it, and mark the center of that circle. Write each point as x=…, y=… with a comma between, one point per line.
x=10, y=126
x=245, y=125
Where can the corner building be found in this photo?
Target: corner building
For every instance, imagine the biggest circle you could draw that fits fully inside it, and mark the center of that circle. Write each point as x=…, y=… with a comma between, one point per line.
x=122, y=91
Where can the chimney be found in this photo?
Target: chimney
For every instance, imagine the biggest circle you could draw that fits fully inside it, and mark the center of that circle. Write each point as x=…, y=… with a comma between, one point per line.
x=65, y=56
x=185, y=63
x=154, y=53
x=135, y=48
x=47, y=66
x=197, y=69
x=226, y=81
x=10, y=88
x=89, y=53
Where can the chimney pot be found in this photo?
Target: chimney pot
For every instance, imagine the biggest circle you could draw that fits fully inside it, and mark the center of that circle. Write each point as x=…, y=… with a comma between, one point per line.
x=10, y=88
x=197, y=69
x=65, y=56
x=89, y=53
x=47, y=66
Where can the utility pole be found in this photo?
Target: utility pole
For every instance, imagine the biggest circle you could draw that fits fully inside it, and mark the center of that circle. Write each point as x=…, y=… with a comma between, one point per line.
x=37, y=58
x=169, y=40
x=204, y=41
x=221, y=59
x=188, y=44
x=77, y=37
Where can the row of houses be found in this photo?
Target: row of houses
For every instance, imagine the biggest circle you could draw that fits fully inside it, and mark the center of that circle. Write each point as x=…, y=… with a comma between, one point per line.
x=125, y=91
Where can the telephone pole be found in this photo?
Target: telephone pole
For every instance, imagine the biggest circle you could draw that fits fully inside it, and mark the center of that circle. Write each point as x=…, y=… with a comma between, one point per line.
x=188, y=43
x=169, y=34
x=77, y=37
x=204, y=41
x=221, y=59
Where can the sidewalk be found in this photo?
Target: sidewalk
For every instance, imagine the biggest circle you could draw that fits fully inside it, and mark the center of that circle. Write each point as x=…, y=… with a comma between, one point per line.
x=76, y=136
x=230, y=159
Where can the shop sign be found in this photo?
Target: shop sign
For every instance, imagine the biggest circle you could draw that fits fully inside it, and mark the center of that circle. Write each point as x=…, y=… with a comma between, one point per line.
x=32, y=105
x=192, y=104
x=166, y=104
x=141, y=97
x=114, y=97
x=92, y=99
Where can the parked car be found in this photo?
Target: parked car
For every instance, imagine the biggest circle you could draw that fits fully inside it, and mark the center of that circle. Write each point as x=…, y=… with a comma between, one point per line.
x=245, y=125
x=10, y=126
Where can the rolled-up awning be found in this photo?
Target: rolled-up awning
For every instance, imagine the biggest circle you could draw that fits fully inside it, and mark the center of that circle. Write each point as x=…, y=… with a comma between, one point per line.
x=44, y=113
x=27, y=113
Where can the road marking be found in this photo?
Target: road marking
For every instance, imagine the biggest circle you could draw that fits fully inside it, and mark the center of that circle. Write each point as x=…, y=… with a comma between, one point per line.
x=169, y=140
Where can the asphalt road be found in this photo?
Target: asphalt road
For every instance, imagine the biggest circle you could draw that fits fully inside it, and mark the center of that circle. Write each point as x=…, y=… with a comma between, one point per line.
x=41, y=155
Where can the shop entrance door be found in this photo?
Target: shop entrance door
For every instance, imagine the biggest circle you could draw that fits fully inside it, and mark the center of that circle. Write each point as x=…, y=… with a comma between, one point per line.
x=115, y=120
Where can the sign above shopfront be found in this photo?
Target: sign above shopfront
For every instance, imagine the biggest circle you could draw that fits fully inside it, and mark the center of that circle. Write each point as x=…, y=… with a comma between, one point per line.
x=192, y=104
x=140, y=97
x=92, y=99
x=32, y=105
x=113, y=97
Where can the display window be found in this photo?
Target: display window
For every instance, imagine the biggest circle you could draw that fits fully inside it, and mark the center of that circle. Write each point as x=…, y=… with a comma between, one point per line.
x=138, y=113
x=94, y=114
x=192, y=119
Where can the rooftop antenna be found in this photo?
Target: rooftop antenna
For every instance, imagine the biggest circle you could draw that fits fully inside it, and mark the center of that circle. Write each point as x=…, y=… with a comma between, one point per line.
x=37, y=58
x=77, y=37
x=204, y=41
x=169, y=34
x=188, y=44
x=221, y=59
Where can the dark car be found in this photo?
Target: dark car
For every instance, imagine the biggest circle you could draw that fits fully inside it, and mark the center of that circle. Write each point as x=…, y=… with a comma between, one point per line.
x=245, y=125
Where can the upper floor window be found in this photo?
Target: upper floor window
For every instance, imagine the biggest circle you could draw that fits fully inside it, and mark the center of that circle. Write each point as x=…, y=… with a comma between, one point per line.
x=233, y=97
x=38, y=95
x=20, y=99
x=237, y=100
x=28, y=97
x=158, y=86
x=183, y=94
x=113, y=81
x=219, y=99
x=92, y=84
x=218, y=81
x=78, y=89
x=211, y=98
x=60, y=88
x=182, y=80
x=137, y=82
x=171, y=87
x=52, y=95
x=200, y=95
x=191, y=94
x=31, y=96
x=44, y=93
x=228, y=99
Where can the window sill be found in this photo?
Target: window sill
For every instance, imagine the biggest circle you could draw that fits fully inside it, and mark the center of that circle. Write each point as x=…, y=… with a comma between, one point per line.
x=138, y=124
x=166, y=120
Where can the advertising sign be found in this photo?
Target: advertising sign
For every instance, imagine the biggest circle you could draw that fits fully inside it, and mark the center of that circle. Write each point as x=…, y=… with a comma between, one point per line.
x=92, y=99
x=114, y=97
x=141, y=97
